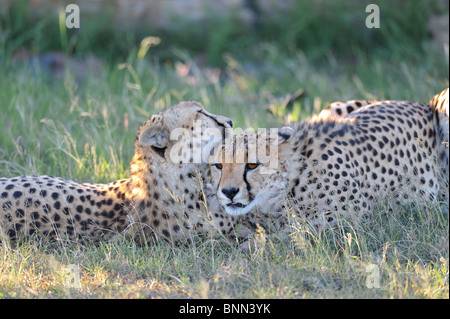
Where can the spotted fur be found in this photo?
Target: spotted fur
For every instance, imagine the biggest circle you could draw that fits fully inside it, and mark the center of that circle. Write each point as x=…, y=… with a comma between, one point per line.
x=161, y=199
x=343, y=166
x=341, y=109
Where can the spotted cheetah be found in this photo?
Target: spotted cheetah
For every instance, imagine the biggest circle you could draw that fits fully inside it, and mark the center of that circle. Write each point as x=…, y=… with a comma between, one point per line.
x=341, y=109
x=162, y=198
x=339, y=165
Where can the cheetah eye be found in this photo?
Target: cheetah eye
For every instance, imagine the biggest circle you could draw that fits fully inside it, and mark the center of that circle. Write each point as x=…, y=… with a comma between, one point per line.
x=218, y=166
x=251, y=166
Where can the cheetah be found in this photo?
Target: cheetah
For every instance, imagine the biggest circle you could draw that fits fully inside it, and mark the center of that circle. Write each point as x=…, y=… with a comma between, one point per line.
x=341, y=109
x=338, y=166
x=161, y=199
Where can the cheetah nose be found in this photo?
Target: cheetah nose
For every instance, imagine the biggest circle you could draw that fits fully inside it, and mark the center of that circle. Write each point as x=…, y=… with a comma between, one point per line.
x=230, y=122
x=230, y=192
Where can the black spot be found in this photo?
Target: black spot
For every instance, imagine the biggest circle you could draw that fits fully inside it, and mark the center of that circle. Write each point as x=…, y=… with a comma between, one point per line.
x=57, y=205
x=46, y=208
x=7, y=205
x=20, y=213
x=191, y=175
x=66, y=210
x=55, y=195
x=11, y=233
x=4, y=195
x=166, y=233
x=79, y=208
x=10, y=186
x=17, y=194
x=155, y=195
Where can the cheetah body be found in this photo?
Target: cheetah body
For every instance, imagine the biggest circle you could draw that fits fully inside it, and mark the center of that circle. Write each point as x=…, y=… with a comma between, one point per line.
x=53, y=206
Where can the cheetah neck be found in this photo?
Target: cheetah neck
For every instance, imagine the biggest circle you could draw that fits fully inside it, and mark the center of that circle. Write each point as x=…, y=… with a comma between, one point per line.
x=165, y=197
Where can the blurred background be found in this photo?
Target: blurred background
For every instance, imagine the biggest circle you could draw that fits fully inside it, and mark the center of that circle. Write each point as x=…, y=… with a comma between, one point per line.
x=78, y=95
x=210, y=29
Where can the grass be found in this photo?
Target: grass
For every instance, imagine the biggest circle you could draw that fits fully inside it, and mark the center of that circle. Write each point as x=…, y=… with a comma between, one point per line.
x=412, y=259
x=83, y=128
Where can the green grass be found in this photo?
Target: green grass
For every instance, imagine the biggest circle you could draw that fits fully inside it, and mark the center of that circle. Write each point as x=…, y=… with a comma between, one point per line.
x=409, y=247
x=84, y=130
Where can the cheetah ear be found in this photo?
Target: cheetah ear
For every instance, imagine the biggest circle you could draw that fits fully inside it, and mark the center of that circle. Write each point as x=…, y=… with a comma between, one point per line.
x=156, y=135
x=284, y=134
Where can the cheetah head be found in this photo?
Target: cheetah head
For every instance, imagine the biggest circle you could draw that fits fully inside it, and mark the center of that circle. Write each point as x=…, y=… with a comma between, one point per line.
x=248, y=173
x=182, y=133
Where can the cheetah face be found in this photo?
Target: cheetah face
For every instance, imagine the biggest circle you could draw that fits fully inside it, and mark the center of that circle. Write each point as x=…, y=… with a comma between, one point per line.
x=245, y=180
x=184, y=133
x=241, y=187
